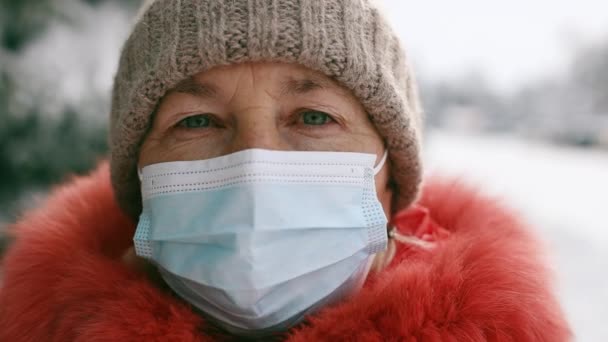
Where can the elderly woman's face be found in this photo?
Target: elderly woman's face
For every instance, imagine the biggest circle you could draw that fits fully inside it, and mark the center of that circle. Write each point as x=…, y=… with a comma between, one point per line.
x=264, y=105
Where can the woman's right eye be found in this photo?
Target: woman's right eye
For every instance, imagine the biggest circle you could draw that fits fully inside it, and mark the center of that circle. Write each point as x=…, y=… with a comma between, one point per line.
x=196, y=121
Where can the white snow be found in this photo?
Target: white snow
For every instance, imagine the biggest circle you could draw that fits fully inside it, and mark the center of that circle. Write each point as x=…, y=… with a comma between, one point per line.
x=563, y=193
x=74, y=60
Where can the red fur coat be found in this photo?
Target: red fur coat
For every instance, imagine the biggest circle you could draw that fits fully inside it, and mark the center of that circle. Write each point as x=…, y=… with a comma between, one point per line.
x=64, y=279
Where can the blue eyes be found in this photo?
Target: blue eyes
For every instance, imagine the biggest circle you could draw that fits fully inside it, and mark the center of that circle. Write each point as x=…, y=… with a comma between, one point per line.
x=315, y=118
x=307, y=118
x=196, y=121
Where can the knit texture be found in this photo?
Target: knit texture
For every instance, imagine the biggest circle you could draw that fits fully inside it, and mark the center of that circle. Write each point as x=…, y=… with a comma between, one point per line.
x=347, y=40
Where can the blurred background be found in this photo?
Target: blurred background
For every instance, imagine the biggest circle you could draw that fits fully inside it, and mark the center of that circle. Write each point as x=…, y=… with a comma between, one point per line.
x=515, y=93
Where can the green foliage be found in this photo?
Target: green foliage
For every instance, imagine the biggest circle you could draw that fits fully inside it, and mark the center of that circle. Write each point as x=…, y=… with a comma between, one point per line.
x=37, y=148
x=23, y=20
x=36, y=151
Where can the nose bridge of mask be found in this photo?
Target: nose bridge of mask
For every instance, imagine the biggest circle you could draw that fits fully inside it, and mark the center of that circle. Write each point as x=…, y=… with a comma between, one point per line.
x=265, y=165
x=376, y=168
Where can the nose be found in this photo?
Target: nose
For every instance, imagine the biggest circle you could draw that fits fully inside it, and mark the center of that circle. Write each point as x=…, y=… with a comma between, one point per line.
x=257, y=128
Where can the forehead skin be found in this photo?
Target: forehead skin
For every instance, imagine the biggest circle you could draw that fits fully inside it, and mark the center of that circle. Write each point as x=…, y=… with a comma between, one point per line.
x=299, y=81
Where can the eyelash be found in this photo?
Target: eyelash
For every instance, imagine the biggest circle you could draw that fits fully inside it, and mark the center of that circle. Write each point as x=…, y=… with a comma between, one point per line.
x=296, y=119
x=213, y=121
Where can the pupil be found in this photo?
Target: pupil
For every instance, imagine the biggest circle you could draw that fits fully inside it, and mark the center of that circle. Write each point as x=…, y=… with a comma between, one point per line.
x=197, y=121
x=315, y=118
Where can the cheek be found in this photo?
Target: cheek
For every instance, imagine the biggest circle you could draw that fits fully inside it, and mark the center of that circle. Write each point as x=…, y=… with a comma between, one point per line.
x=159, y=149
x=352, y=141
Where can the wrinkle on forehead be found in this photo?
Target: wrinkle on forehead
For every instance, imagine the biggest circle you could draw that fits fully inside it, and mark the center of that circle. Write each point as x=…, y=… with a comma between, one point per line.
x=299, y=82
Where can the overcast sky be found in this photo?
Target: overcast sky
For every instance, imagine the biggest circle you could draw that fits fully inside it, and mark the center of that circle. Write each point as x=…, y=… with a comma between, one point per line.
x=512, y=41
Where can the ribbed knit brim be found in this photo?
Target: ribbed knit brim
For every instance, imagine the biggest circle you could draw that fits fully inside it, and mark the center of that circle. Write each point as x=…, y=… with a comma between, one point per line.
x=347, y=40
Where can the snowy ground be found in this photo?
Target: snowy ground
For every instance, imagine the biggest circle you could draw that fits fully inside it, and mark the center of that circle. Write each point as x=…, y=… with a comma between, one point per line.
x=563, y=192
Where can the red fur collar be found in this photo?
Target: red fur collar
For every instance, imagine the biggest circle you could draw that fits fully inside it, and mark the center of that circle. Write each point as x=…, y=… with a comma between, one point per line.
x=483, y=280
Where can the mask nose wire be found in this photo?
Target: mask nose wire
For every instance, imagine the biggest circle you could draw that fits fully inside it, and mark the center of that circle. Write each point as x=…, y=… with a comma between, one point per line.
x=380, y=165
x=377, y=168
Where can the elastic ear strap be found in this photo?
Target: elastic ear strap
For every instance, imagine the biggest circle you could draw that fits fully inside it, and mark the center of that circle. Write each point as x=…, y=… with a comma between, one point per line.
x=378, y=167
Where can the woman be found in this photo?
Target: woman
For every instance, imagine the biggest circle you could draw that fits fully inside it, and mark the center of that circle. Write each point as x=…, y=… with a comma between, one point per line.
x=265, y=174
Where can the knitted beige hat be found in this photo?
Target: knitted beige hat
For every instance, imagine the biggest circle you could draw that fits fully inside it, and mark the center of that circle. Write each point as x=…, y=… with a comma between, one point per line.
x=347, y=40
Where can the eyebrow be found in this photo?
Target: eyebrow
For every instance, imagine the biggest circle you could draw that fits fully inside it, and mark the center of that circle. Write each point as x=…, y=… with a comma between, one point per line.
x=289, y=87
x=307, y=84
x=300, y=86
x=193, y=87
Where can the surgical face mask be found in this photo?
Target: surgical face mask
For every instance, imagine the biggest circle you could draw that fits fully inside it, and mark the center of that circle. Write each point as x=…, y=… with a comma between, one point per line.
x=258, y=239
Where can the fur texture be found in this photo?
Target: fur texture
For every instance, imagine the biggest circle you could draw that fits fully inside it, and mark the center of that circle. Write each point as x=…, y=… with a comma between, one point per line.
x=483, y=281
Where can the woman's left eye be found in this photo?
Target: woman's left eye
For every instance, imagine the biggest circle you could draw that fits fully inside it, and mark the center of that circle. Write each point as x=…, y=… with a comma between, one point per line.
x=196, y=121
x=315, y=118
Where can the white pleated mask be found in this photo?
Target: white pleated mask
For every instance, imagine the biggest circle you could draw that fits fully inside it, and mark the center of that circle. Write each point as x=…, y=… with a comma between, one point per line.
x=258, y=239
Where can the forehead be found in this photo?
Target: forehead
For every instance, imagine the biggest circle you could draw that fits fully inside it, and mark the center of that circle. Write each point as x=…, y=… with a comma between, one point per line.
x=288, y=79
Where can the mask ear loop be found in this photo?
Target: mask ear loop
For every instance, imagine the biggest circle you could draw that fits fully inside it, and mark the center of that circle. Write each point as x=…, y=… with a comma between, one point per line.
x=380, y=165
